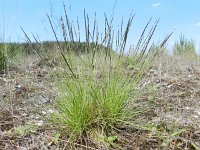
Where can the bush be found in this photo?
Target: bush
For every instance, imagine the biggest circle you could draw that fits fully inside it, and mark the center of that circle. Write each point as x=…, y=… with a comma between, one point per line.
x=184, y=47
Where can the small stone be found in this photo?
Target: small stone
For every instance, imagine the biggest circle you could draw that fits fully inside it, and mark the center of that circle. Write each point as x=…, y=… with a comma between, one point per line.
x=43, y=100
x=187, y=108
x=18, y=86
x=157, y=81
x=195, y=116
x=4, y=95
x=50, y=111
x=198, y=112
x=169, y=86
x=24, y=114
x=40, y=123
x=44, y=112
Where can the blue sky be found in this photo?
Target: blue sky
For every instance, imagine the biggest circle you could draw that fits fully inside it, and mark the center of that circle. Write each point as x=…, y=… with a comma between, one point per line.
x=184, y=15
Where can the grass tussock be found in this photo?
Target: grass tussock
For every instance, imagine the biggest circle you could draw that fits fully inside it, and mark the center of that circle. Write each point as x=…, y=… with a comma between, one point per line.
x=95, y=93
x=98, y=99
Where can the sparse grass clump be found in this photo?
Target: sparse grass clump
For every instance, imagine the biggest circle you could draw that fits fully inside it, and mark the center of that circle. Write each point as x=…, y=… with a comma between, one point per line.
x=97, y=98
x=23, y=130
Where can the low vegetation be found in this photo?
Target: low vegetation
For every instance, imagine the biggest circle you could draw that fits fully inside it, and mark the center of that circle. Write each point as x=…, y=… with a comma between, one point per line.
x=184, y=47
x=2, y=57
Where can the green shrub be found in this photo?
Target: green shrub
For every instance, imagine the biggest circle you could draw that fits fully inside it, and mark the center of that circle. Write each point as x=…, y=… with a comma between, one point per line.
x=184, y=47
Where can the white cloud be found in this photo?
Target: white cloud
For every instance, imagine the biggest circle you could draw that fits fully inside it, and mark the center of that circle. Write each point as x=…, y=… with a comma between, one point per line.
x=156, y=4
x=197, y=24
